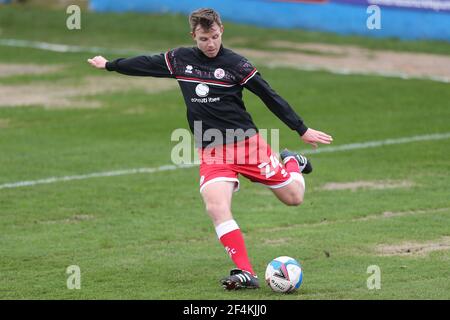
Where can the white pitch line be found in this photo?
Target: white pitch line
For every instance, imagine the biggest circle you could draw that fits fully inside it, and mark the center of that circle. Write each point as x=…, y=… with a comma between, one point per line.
x=345, y=147
x=93, y=175
x=57, y=47
x=345, y=72
x=373, y=144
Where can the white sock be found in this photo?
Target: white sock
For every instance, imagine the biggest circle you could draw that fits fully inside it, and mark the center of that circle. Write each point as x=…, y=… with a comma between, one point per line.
x=226, y=227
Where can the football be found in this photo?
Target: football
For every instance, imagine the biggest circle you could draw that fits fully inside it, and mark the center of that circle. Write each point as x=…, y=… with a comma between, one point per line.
x=284, y=274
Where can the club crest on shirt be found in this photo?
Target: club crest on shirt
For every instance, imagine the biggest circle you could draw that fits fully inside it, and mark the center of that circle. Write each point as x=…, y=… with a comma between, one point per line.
x=219, y=73
x=202, y=90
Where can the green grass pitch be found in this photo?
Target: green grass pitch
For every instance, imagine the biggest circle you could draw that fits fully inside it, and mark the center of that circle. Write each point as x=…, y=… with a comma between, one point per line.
x=147, y=236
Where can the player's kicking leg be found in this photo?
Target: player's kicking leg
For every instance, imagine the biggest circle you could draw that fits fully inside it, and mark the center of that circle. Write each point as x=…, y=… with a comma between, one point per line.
x=292, y=194
x=217, y=197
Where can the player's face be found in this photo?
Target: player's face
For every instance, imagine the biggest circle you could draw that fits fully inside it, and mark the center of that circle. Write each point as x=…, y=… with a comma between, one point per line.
x=208, y=42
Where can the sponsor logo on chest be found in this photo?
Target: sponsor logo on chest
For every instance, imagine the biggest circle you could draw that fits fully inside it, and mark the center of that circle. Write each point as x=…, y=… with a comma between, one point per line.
x=202, y=91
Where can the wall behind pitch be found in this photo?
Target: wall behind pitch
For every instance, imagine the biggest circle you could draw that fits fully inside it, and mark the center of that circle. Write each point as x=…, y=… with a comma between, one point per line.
x=405, y=19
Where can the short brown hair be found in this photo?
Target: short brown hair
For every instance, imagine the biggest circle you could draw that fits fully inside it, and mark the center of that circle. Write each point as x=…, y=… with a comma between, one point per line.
x=204, y=17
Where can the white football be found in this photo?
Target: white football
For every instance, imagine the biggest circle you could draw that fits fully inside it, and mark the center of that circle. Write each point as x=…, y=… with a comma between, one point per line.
x=284, y=274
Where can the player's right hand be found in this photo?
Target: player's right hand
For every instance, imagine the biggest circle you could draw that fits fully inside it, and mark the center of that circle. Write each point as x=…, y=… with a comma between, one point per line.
x=98, y=62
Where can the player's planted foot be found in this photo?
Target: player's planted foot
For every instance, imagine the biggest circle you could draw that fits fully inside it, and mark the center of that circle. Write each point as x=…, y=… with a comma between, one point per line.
x=240, y=279
x=303, y=162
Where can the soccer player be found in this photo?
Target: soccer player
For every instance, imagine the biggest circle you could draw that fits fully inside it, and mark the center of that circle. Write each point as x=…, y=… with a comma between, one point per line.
x=212, y=79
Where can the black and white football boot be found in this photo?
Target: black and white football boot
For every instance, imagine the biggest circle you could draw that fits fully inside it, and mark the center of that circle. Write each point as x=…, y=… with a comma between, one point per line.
x=240, y=279
x=303, y=162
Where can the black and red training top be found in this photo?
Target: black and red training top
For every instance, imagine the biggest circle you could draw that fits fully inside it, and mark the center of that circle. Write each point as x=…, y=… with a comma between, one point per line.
x=212, y=89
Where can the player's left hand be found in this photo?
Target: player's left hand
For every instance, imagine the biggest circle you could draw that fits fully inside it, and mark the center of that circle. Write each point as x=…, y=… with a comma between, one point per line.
x=313, y=137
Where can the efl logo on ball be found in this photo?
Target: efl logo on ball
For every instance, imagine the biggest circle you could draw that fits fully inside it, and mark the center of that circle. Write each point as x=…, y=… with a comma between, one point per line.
x=284, y=274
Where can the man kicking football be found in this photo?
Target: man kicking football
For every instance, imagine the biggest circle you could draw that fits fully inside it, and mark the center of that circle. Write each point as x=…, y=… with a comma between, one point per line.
x=212, y=79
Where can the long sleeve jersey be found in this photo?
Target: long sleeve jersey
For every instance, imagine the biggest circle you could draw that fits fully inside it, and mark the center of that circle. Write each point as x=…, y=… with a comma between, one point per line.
x=212, y=89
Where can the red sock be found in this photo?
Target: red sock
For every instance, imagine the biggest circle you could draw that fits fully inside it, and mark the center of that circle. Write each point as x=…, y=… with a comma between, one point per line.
x=231, y=237
x=292, y=165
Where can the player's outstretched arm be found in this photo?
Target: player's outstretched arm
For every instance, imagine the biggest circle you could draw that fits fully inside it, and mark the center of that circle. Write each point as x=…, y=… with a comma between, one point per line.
x=313, y=137
x=98, y=62
x=145, y=66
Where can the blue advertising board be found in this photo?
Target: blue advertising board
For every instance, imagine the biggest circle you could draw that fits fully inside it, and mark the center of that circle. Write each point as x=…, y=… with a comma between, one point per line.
x=425, y=5
x=404, y=19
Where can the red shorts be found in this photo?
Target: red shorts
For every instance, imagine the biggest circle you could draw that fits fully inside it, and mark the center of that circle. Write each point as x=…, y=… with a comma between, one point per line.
x=251, y=158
